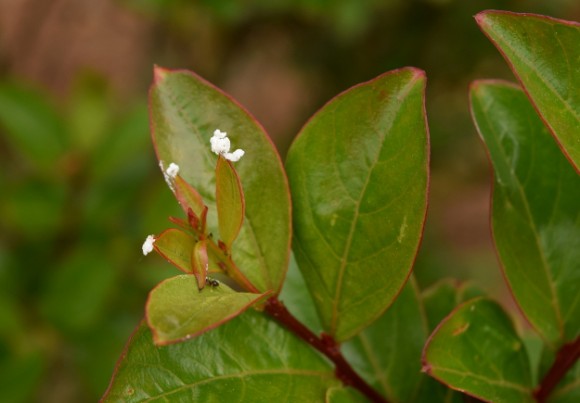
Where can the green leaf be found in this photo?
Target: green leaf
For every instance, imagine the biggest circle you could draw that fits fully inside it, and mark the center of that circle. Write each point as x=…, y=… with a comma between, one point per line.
x=178, y=310
x=32, y=126
x=388, y=352
x=344, y=395
x=442, y=297
x=230, y=201
x=185, y=111
x=176, y=247
x=298, y=300
x=544, y=54
x=249, y=359
x=535, y=212
x=188, y=197
x=359, y=176
x=476, y=350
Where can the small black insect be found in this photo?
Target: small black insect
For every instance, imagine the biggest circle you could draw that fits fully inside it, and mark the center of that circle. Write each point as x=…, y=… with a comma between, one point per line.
x=212, y=282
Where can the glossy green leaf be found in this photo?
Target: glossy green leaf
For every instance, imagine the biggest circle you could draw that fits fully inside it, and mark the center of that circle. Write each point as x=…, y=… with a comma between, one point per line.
x=476, y=350
x=249, y=359
x=176, y=247
x=359, y=175
x=185, y=111
x=178, y=310
x=536, y=210
x=544, y=54
x=388, y=352
x=229, y=200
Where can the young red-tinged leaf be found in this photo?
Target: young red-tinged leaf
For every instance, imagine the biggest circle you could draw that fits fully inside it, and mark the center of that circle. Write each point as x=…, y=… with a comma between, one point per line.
x=544, y=54
x=230, y=201
x=188, y=197
x=185, y=111
x=359, y=177
x=477, y=351
x=176, y=247
x=200, y=263
x=249, y=359
x=178, y=310
x=535, y=210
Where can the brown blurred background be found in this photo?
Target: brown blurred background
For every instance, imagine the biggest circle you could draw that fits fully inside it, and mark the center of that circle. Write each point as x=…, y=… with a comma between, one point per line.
x=78, y=179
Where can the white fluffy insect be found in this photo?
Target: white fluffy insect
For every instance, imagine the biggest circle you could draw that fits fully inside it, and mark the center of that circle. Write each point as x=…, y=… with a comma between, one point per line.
x=220, y=144
x=148, y=245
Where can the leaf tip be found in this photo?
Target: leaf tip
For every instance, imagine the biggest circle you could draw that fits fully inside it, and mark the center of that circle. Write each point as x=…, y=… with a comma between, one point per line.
x=159, y=73
x=480, y=18
x=418, y=73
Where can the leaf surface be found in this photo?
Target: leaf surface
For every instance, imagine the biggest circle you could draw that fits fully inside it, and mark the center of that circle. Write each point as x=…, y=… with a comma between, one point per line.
x=442, y=297
x=388, y=352
x=535, y=212
x=359, y=175
x=544, y=54
x=344, y=395
x=248, y=359
x=230, y=201
x=476, y=350
x=178, y=310
x=184, y=112
x=176, y=247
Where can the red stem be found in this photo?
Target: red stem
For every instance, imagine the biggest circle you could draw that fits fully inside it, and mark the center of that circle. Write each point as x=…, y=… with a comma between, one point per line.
x=326, y=345
x=565, y=359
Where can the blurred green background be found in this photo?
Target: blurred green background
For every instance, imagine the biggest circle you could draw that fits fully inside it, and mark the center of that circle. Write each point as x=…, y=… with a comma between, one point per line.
x=80, y=188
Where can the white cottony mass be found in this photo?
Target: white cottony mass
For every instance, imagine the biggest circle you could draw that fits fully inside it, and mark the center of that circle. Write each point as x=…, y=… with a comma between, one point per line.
x=148, y=245
x=172, y=170
x=220, y=144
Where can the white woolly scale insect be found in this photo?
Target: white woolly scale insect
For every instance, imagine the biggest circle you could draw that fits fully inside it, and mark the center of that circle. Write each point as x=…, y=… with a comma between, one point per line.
x=220, y=144
x=148, y=245
x=170, y=173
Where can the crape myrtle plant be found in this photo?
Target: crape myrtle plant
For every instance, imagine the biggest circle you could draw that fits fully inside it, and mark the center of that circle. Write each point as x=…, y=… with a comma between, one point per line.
x=340, y=319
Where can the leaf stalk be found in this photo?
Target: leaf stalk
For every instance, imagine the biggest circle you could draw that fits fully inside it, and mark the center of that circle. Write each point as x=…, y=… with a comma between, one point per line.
x=326, y=345
x=567, y=356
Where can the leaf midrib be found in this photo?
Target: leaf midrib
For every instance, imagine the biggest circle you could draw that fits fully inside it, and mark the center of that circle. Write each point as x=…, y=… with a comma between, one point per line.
x=515, y=179
x=297, y=372
x=532, y=67
x=502, y=382
x=401, y=95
